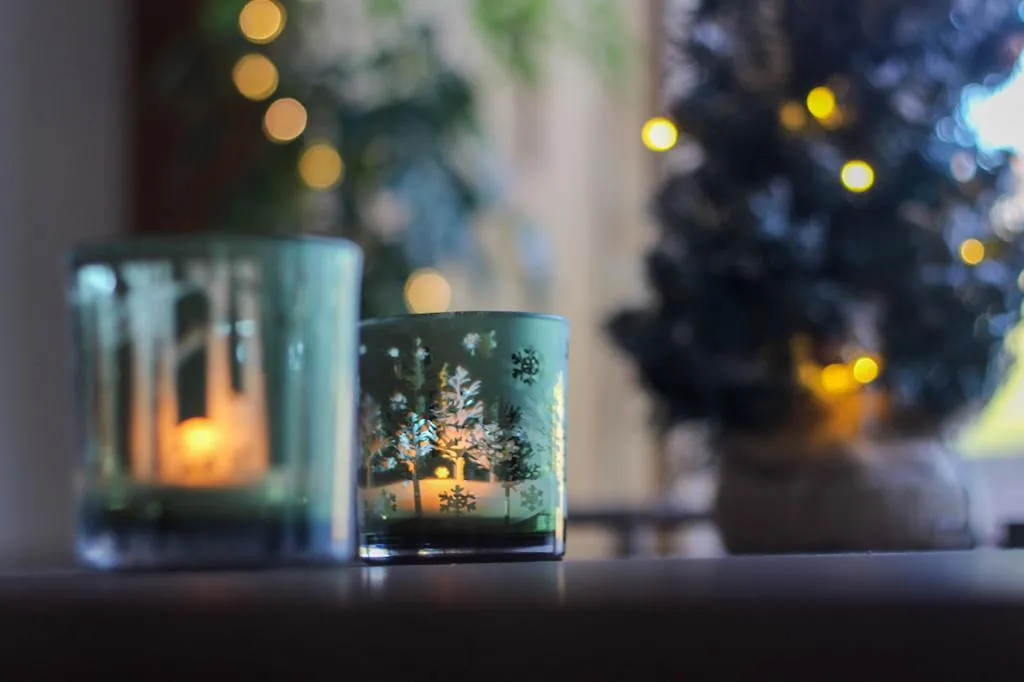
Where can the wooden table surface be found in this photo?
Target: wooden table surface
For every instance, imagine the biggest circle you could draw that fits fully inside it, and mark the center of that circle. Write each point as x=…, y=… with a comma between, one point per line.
x=957, y=615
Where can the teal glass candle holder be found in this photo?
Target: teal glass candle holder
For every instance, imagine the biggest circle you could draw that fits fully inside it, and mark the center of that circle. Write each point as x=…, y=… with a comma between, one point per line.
x=463, y=435
x=216, y=394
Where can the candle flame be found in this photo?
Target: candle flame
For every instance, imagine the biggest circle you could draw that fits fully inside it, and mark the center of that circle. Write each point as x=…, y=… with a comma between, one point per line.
x=200, y=440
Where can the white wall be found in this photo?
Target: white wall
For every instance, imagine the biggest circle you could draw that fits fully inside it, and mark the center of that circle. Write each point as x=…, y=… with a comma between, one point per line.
x=576, y=165
x=62, y=125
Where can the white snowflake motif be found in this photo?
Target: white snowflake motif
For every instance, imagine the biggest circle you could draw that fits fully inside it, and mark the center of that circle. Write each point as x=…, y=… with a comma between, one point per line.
x=393, y=352
x=362, y=349
x=471, y=342
x=399, y=402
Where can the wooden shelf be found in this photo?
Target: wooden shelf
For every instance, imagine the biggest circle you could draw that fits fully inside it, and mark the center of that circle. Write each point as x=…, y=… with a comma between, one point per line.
x=942, y=613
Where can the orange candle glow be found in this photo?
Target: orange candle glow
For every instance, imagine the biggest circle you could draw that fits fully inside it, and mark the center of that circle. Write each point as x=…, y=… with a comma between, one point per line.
x=202, y=456
x=200, y=441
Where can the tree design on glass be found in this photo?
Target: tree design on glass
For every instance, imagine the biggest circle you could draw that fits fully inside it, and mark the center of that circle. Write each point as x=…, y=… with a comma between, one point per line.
x=526, y=365
x=416, y=438
x=556, y=417
x=532, y=498
x=471, y=342
x=510, y=457
x=374, y=441
x=457, y=501
x=459, y=415
x=388, y=500
x=380, y=506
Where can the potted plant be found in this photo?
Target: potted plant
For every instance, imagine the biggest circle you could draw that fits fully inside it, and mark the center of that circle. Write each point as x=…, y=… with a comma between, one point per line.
x=831, y=291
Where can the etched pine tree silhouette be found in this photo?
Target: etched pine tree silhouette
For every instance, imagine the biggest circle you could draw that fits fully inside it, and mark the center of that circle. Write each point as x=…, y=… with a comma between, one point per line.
x=510, y=455
x=457, y=501
x=459, y=415
x=371, y=433
x=416, y=439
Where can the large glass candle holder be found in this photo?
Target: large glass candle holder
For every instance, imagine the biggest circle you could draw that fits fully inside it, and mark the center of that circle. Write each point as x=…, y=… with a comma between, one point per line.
x=462, y=431
x=216, y=386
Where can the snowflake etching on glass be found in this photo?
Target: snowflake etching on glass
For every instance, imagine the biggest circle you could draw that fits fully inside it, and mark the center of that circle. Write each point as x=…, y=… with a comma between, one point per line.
x=471, y=342
x=526, y=365
x=532, y=498
x=457, y=501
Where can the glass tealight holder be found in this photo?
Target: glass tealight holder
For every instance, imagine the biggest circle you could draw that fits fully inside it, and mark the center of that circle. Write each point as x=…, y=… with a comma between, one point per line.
x=216, y=392
x=463, y=435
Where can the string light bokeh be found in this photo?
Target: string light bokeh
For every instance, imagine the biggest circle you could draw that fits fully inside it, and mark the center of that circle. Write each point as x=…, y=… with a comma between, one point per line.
x=821, y=102
x=320, y=166
x=255, y=76
x=427, y=291
x=857, y=176
x=284, y=120
x=792, y=116
x=261, y=21
x=659, y=134
x=972, y=251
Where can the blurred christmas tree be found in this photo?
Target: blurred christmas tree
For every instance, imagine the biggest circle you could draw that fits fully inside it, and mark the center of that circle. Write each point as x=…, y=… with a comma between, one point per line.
x=826, y=261
x=357, y=123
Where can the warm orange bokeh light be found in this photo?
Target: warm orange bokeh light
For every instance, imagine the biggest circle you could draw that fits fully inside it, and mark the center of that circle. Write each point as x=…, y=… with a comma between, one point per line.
x=285, y=120
x=261, y=21
x=255, y=76
x=427, y=291
x=972, y=251
x=320, y=166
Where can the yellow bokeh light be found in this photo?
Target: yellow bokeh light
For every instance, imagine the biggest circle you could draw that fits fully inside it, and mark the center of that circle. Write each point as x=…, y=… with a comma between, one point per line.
x=442, y=472
x=792, y=116
x=427, y=291
x=200, y=439
x=320, y=166
x=972, y=251
x=821, y=102
x=836, y=378
x=659, y=134
x=857, y=176
x=255, y=76
x=261, y=21
x=285, y=120
x=865, y=369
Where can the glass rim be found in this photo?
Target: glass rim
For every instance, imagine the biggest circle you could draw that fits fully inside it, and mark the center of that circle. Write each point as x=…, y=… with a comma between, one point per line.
x=455, y=314
x=211, y=242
